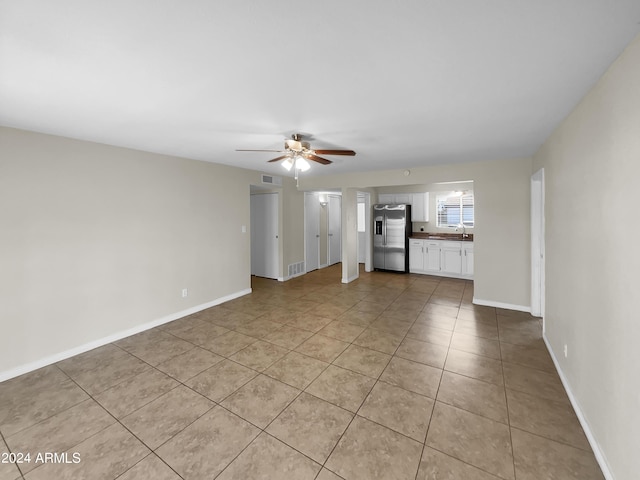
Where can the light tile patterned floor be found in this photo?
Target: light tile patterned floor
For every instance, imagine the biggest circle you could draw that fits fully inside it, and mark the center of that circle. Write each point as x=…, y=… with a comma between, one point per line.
x=390, y=377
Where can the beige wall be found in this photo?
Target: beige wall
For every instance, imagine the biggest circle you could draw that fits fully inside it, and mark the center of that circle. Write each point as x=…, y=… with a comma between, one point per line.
x=592, y=164
x=502, y=233
x=99, y=240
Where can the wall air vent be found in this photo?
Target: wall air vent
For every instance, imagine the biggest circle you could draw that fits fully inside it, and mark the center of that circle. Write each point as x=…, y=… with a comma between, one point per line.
x=296, y=269
x=272, y=180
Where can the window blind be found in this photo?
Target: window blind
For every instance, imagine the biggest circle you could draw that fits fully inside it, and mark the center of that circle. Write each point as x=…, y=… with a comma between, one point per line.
x=454, y=210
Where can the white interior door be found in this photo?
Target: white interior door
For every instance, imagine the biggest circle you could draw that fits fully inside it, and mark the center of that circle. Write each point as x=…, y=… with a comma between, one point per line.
x=311, y=231
x=335, y=228
x=264, y=235
x=537, y=245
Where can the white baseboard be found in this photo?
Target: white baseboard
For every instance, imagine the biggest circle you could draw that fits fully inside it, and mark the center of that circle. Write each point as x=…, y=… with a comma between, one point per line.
x=284, y=279
x=508, y=306
x=595, y=446
x=351, y=279
x=50, y=359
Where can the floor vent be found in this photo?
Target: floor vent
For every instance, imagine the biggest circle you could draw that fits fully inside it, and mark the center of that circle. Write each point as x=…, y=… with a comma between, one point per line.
x=296, y=269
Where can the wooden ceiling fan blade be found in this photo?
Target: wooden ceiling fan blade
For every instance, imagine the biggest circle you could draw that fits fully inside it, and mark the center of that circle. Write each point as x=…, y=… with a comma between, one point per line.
x=245, y=150
x=318, y=159
x=351, y=153
x=278, y=158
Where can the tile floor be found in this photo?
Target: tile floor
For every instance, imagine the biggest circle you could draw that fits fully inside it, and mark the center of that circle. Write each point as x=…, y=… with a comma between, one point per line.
x=389, y=377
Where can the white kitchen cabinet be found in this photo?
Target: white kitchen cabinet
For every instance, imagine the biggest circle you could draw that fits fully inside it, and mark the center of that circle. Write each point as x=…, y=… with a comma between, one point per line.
x=420, y=207
x=403, y=198
x=444, y=258
x=387, y=198
x=467, y=259
x=451, y=258
x=416, y=256
x=432, y=256
x=395, y=198
x=419, y=203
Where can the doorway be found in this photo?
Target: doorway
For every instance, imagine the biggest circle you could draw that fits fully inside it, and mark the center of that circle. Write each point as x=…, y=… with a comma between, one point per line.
x=264, y=235
x=537, y=246
x=322, y=229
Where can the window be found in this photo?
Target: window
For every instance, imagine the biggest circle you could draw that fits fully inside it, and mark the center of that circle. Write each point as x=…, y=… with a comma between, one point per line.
x=455, y=208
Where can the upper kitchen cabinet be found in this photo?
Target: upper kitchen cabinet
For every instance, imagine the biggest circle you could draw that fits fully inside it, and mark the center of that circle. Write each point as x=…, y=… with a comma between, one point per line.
x=419, y=203
x=403, y=199
x=387, y=199
x=420, y=207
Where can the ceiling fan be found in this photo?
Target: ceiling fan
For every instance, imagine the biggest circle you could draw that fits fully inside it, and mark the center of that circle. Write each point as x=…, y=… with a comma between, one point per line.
x=297, y=152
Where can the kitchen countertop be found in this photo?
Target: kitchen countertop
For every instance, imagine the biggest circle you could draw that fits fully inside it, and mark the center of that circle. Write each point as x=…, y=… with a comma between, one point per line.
x=442, y=236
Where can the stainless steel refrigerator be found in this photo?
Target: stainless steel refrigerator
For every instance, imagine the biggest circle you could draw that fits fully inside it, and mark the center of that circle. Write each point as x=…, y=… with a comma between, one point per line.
x=391, y=232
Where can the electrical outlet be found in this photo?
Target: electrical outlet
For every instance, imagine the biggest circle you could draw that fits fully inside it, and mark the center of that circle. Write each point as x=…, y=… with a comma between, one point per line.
x=185, y=292
x=566, y=350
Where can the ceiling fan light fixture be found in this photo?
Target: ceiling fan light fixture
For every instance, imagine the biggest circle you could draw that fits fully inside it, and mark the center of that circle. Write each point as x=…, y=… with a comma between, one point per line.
x=302, y=164
x=287, y=164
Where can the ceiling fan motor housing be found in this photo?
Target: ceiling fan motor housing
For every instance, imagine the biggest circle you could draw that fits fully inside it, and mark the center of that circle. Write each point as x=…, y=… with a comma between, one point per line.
x=296, y=145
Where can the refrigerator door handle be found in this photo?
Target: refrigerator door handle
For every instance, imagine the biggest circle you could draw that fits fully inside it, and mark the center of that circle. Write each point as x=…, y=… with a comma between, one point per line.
x=384, y=234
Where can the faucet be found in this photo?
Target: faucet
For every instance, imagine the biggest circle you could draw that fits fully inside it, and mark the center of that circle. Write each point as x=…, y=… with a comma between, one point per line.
x=464, y=230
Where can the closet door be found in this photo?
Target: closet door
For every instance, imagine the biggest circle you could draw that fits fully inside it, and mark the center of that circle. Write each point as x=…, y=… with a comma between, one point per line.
x=264, y=235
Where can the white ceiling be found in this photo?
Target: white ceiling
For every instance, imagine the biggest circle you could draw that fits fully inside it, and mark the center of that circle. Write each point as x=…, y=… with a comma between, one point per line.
x=403, y=83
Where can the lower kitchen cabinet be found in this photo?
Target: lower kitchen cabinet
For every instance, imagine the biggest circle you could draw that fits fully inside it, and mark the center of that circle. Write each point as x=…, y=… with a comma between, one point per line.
x=432, y=256
x=443, y=257
x=467, y=259
x=416, y=255
x=451, y=258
